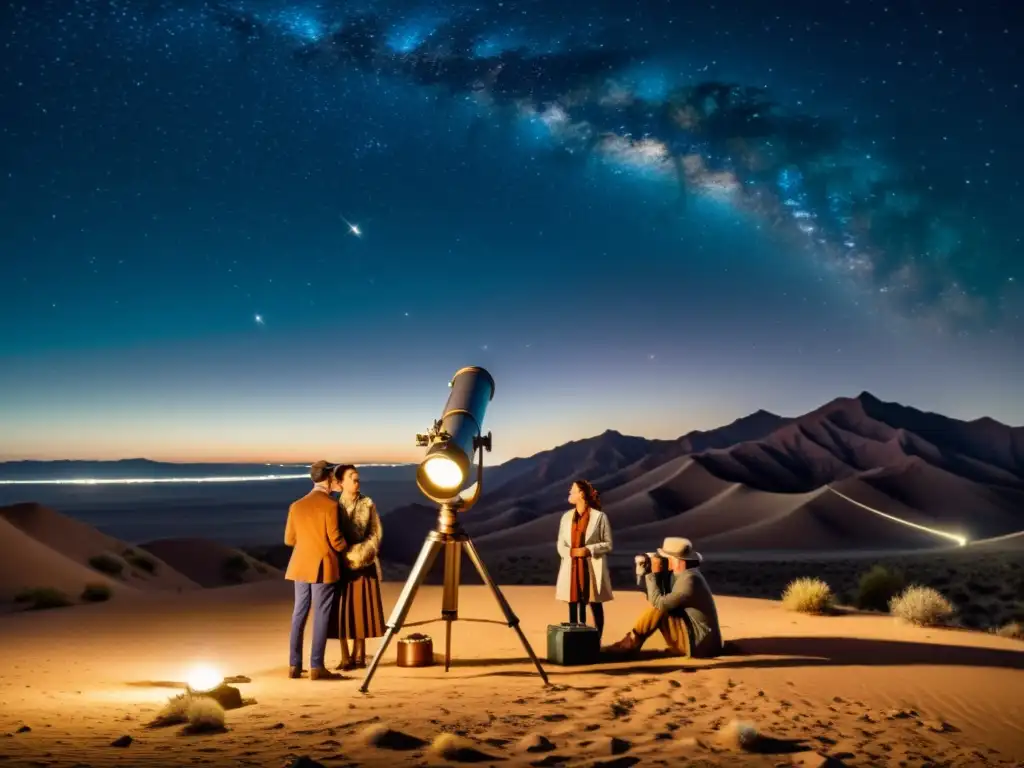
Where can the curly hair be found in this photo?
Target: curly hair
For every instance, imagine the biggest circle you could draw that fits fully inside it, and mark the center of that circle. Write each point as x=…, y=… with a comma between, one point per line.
x=341, y=469
x=590, y=494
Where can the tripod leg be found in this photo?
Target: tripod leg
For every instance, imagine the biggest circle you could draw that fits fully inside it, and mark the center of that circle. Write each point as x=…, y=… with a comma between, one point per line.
x=428, y=554
x=510, y=616
x=450, y=597
x=447, y=644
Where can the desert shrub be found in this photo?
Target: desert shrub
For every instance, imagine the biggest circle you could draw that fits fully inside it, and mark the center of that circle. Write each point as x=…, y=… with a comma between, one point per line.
x=234, y=566
x=42, y=598
x=95, y=593
x=141, y=562
x=878, y=587
x=808, y=595
x=107, y=564
x=923, y=606
x=204, y=716
x=201, y=714
x=1014, y=630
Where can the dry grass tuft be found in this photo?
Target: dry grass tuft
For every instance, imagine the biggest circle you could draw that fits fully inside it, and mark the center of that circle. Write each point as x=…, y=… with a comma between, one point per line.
x=922, y=606
x=1014, y=630
x=199, y=714
x=739, y=735
x=808, y=595
x=43, y=598
x=204, y=716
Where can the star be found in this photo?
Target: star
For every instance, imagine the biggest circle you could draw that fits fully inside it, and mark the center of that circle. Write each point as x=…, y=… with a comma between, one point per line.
x=353, y=229
x=258, y=319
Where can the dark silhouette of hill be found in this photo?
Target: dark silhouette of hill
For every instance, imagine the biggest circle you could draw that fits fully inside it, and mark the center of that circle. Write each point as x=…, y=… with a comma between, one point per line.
x=848, y=436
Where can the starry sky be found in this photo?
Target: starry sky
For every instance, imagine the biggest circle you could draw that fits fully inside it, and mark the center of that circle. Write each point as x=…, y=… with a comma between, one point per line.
x=272, y=230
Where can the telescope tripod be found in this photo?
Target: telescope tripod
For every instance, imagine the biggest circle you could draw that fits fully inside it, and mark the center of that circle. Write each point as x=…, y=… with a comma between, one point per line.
x=450, y=537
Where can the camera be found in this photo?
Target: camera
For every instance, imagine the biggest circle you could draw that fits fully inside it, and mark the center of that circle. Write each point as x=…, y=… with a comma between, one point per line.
x=650, y=562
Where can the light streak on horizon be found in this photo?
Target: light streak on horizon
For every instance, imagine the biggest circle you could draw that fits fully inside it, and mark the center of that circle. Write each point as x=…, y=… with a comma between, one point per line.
x=959, y=540
x=208, y=479
x=147, y=480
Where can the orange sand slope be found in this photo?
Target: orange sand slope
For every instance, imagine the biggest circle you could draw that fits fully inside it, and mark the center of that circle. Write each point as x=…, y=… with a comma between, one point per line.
x=864, y=689
x=210, y=564
x=62, y=550
x=28, y=564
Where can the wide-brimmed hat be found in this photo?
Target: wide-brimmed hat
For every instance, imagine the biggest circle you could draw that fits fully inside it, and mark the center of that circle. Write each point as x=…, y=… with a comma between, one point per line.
x=679, y=548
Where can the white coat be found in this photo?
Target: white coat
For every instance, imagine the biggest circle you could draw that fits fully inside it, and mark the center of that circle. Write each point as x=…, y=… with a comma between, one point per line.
x=598, y=540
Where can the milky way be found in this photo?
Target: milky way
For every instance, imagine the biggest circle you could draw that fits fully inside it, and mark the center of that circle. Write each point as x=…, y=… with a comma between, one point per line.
x=898, y=232
x=906, y=233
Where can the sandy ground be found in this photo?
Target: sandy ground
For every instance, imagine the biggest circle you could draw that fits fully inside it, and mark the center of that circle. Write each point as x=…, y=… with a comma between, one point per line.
x=861, y=689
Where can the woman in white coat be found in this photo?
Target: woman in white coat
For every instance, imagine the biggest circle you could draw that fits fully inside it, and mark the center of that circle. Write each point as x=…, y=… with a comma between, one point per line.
x=584, y=543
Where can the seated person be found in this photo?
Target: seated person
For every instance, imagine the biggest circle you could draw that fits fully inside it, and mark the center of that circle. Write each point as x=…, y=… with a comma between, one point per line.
x=682, y=606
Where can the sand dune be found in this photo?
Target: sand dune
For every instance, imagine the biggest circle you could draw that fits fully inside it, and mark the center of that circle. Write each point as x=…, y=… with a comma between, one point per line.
x=1011, y=542
x=664, y=492
x=93, y=549
x=210, y=564
x=825, y=522
x=861, y=690
x=944, y=499
x=735, y=509
x=28, y=564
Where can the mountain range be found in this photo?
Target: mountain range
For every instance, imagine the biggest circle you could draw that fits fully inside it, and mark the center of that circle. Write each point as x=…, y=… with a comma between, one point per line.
x=855, y=474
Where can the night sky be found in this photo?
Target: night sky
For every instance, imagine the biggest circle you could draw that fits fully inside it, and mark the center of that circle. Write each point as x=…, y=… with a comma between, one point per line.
x=273, y=230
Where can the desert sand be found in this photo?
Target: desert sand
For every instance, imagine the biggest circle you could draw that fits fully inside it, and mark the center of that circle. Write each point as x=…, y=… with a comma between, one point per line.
x=48, y=555
x=861, y=690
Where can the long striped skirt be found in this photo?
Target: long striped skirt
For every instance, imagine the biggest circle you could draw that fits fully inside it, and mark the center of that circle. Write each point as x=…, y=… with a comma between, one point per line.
x=358, y=612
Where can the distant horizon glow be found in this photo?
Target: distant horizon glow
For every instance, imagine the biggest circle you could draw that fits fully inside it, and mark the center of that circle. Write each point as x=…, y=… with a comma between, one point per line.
x=153, y=480
x=148, y=480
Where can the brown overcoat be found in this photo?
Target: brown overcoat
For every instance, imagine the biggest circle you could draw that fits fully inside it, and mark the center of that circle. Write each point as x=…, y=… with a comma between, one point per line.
x=314, y=533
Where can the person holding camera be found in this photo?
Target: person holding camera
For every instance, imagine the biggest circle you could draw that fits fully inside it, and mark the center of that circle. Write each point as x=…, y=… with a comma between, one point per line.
x=681, y=607
x=584, y=542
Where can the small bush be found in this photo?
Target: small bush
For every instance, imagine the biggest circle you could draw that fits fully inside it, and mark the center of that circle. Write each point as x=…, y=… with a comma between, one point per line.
x=234, y=566
x=1014, y=630
x=107, y=564
x=878, y=587
x=42, y=598
x=95, y=593
x=199, y=713
x=141, y=562
x=808, y=595
x=204, y=716
x=923, y=606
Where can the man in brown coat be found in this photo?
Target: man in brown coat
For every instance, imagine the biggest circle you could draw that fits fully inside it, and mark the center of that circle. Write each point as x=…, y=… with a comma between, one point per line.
x=314, y=534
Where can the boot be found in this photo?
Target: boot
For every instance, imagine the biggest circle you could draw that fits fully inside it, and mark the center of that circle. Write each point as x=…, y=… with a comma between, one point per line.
x=630, y=644
x=321, y=673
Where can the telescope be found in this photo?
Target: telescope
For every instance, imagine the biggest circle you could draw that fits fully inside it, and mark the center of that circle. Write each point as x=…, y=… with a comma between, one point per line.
x=451, y=444
x=455, y=437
